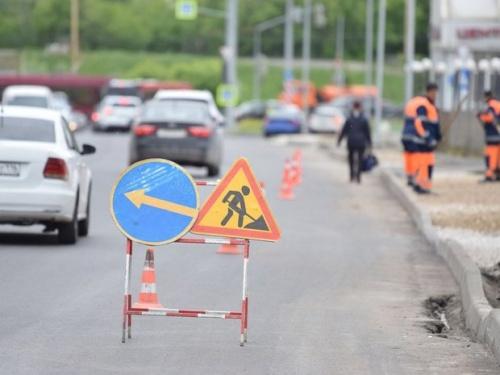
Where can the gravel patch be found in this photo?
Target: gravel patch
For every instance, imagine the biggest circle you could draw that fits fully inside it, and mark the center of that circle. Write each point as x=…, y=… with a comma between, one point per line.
x=468, y=212
x=482, y=248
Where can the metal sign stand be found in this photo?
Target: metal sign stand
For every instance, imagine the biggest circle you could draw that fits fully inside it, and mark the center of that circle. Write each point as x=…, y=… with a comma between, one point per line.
x=242, y=315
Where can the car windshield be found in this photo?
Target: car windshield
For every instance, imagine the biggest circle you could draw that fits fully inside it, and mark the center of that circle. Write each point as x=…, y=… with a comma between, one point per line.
x=26, y=129
x=326, y=111
x=283, y=113
x=28, y=101
x=182, y=110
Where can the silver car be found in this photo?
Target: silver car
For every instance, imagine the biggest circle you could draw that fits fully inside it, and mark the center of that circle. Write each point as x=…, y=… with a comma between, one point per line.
x=116, y=112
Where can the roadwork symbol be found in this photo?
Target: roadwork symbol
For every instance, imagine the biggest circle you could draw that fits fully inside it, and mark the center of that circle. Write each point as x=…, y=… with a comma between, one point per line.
x=154, y=202
x=237, y=208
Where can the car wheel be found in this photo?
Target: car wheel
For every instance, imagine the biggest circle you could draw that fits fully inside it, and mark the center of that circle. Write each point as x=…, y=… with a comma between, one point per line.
x=83, y=225
x=67, y=233
x=213, y=170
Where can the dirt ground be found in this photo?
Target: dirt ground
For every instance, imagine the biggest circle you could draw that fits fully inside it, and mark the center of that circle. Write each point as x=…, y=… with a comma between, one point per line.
x=460, y=201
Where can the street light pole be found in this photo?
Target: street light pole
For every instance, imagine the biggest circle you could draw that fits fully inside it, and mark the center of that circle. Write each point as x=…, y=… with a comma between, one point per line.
x=288, y=43
x=380, y=67
x=257, y=45
x=232, y=58
x=369, y=50
x=409, y=48
x=306, y=55
x=339, y=51
x=75, y=35
x=256, y=63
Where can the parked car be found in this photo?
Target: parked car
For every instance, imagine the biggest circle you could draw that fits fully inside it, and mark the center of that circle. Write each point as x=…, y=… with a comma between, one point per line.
x=116, y=113
x=180, y=129
x=284, y=119
x=255, y=109
x=29, y=96
x=43, y=178
x=345, y=104
x=193, y=95
x=326, y=119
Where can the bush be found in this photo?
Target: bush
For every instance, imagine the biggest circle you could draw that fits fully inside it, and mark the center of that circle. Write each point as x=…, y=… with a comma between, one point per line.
x=202, y=74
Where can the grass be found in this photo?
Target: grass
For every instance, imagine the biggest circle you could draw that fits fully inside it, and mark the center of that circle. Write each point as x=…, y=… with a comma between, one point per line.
x=194, y=68
x=249, y=127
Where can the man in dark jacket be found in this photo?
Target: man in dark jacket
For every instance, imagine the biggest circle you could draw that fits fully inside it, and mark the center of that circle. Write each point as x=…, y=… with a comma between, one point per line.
x=357, y=131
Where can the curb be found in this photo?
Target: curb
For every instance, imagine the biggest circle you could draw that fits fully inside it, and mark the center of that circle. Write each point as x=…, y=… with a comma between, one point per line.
x=481, y=319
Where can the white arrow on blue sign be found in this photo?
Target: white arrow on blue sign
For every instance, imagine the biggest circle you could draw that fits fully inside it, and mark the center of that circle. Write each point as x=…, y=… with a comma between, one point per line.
x=154, y=202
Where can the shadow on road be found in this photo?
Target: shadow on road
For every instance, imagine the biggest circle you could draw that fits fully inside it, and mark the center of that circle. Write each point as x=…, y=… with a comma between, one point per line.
x=23, y=239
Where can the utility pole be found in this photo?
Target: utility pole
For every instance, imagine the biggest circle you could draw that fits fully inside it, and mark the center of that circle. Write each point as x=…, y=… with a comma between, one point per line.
x=409, y=48
x=75, y=35
x=232, y=58
x=380, y=67
x=369, y=50
x=288, y=43
x=339, y=51
x=257, y=45
x=256, y=63
x=306, y=55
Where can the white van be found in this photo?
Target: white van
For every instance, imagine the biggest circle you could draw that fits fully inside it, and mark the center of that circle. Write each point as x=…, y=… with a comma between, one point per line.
x=28, y=96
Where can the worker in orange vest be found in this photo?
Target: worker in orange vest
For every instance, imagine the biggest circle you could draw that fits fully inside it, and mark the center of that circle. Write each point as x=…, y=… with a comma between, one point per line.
x=490, y=117
x=421, y=135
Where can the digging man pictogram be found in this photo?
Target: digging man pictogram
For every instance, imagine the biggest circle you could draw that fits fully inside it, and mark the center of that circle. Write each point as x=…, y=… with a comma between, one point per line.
x=236, y=204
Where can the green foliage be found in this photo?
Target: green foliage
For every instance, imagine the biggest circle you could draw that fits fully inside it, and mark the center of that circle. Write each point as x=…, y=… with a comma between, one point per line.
x=151, y=25
x=201, y=71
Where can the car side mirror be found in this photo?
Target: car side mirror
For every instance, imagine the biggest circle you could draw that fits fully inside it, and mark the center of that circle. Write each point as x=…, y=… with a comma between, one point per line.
x=87, y=149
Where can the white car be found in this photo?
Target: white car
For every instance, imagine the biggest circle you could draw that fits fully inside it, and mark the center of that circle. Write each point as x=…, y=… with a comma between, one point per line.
x=29, y=96
x=195, y=95
x=43, y=179
x=326, y=119
x=116, y=112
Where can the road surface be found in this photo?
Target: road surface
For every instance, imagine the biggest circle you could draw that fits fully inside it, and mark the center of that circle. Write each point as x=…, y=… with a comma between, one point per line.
x=341, y=293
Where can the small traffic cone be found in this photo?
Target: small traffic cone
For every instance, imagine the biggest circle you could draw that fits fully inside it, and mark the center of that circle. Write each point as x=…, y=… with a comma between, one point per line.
x=297, y=166
x=228, y=249
x=148, y=297
x=286, y=191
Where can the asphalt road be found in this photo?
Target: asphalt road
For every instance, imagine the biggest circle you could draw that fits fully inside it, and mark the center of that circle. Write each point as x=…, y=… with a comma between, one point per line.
x=341, y=293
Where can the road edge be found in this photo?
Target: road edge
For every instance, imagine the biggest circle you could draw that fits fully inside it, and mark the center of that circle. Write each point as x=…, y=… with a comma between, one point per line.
x=482, y=320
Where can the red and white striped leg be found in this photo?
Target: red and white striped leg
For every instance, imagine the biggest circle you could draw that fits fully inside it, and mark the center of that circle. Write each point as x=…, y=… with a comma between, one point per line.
x=244, y=298
x=127, y=319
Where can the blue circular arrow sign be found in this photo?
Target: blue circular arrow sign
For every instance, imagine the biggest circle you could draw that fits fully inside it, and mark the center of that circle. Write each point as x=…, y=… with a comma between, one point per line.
x=154, y=202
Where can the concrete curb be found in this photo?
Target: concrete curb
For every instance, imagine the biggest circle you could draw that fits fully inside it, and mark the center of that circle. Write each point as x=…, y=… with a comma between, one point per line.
x=480, y=318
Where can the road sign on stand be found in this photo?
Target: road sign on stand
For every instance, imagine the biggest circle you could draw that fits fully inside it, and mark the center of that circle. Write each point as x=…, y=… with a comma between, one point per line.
x=227, y=95
x=154, y=202
x=237, y=208
x=186, y=10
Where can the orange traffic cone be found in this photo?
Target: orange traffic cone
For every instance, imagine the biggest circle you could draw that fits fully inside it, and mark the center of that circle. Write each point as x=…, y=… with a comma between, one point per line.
x=148, y=297
x=286, y=191
x=228, y=249
x=297, y=166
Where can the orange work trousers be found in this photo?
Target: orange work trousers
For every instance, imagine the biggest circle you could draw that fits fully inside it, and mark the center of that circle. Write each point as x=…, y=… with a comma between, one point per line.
x=425, y=165
x=492, y=154
x=410, y=163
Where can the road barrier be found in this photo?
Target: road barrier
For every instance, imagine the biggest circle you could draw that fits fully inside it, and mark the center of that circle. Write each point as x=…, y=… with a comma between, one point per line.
x=155, y=202
x=143, y=308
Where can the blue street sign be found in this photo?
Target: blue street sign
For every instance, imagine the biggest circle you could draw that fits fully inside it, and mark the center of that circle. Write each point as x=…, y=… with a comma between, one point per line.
x=154, y=202
x=186, y=9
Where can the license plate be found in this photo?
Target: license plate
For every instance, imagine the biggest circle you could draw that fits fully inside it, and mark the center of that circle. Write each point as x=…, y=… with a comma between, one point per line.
x=173, y=133
x=10, y=169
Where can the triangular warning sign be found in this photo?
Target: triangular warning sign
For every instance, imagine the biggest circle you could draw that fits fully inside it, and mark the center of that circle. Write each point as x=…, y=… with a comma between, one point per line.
x=237, y=208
